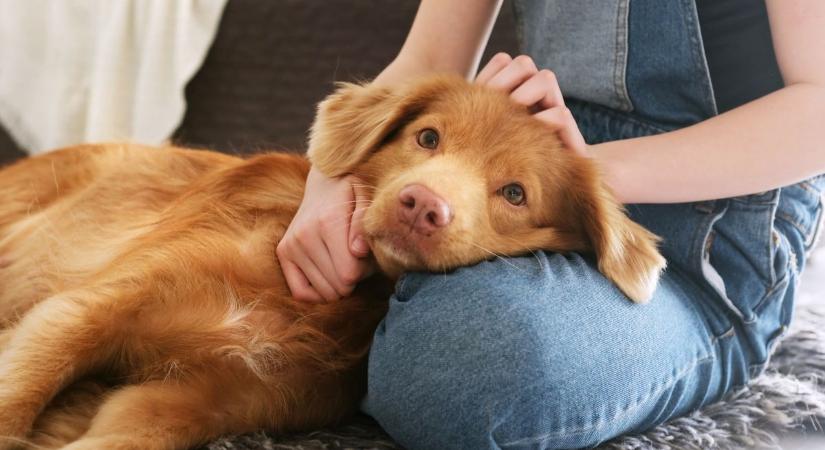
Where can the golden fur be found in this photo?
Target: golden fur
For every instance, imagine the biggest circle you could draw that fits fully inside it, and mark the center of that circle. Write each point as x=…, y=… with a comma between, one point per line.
x=143, y=306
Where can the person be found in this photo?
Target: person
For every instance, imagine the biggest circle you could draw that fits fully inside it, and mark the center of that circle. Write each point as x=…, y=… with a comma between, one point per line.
x=705, y=117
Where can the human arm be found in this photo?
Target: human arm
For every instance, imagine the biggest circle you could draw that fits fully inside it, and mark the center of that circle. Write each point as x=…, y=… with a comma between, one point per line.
x=446, y=36
x=770, y=142
x=321, y=254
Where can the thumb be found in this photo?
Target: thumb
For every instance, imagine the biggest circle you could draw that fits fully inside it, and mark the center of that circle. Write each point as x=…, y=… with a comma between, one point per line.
x=357, y=244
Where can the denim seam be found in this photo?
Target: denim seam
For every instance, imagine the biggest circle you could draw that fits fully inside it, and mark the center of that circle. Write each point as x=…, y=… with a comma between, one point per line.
x=809, y=186
x=769, y=198
x=747, y=200
x=705, y=206
x=698, y=51
x=729, y=333
x=624, y=413
x=806, y=233
x=699, y=236
x=621, y=52
x=816, y=233
x=613, y=114
x=782, y=282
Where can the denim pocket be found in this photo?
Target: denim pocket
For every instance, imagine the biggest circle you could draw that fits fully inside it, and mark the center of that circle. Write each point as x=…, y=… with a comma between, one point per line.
x=755, y=260
x=743, y=254
x=775, y=309
x=800, y=213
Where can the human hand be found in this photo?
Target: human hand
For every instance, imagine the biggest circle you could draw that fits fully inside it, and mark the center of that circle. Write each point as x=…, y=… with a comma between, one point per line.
x=536, y=89
x=323, y=253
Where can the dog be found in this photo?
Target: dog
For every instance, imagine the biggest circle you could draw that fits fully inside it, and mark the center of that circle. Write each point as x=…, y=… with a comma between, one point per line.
x=143, y=305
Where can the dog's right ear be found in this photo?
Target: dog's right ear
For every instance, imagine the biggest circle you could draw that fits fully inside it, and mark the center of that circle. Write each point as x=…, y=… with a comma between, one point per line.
x=356, y=119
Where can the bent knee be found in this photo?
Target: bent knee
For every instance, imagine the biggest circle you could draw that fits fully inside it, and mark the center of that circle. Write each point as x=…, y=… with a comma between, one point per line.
x=451, y=351
x=488, y=356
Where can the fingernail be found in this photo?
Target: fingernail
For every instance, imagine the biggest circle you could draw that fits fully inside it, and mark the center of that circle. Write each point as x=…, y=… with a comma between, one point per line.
x=360, y=245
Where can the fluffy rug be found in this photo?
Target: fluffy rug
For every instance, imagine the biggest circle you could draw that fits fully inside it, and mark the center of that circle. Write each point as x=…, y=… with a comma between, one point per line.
x=787, y=400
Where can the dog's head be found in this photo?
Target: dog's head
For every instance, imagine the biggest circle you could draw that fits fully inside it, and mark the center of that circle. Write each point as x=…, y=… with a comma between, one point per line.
x=459, y=173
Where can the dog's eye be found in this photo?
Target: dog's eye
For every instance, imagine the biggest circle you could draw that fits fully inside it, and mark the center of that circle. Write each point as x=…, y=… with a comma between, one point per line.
x=514, y=194
x=428, y=138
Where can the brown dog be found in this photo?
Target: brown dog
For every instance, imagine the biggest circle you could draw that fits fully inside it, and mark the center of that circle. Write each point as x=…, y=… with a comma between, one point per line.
x=153, y=271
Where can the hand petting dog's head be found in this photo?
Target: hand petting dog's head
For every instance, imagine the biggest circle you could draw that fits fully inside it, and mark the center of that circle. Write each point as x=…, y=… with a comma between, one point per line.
x=460, y=174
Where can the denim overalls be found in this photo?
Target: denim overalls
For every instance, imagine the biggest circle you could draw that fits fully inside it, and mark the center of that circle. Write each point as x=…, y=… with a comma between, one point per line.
x=543, y=352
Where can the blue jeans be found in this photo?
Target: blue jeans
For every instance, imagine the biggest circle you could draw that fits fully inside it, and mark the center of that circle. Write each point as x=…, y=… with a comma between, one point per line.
x=542, y=351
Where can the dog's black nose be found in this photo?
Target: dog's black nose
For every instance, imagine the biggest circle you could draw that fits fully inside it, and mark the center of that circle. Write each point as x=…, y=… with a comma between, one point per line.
x=422, y=209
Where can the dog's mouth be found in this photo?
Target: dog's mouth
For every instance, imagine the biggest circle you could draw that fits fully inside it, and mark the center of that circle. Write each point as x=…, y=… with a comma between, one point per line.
x=396, y=251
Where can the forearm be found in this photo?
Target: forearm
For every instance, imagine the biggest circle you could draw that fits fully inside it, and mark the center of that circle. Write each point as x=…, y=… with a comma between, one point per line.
x=446, y=36
x=768, y=143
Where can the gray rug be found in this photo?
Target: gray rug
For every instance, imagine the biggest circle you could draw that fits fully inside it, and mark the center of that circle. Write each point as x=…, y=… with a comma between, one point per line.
x=787, y=400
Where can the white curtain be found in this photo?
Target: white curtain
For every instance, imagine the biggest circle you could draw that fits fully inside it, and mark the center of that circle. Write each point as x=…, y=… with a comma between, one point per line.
x=74, y=71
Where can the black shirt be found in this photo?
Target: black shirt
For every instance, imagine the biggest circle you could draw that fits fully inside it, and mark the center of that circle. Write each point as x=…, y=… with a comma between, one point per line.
x=739, y=49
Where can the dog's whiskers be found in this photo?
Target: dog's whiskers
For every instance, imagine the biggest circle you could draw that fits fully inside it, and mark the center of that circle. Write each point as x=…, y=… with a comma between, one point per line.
x=497, y=256
x=344, y=218
x=532, y=252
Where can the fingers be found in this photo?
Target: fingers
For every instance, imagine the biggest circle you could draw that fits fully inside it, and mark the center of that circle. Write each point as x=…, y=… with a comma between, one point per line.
x=346, y=248
x=561, y=119
x=527, y=85
x=317, y=279
x=538, y=90
x=541, y=90
x=320, y=251
x=513, y=74
x=358, y=245
x=298, y=284
x=327, y=256
x=310, y=271
x=494, y=66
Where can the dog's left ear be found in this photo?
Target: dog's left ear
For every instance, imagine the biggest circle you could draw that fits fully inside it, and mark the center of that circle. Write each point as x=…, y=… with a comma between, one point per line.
x=356, y=119
x=626, y=252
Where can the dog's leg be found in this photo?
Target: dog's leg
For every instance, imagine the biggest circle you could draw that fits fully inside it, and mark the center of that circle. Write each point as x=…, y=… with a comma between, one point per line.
x=59, y=340
x=170, y=415
x=69, y=416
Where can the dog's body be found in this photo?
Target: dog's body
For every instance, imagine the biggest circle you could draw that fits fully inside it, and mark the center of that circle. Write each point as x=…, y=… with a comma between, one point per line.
x=155, y=269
